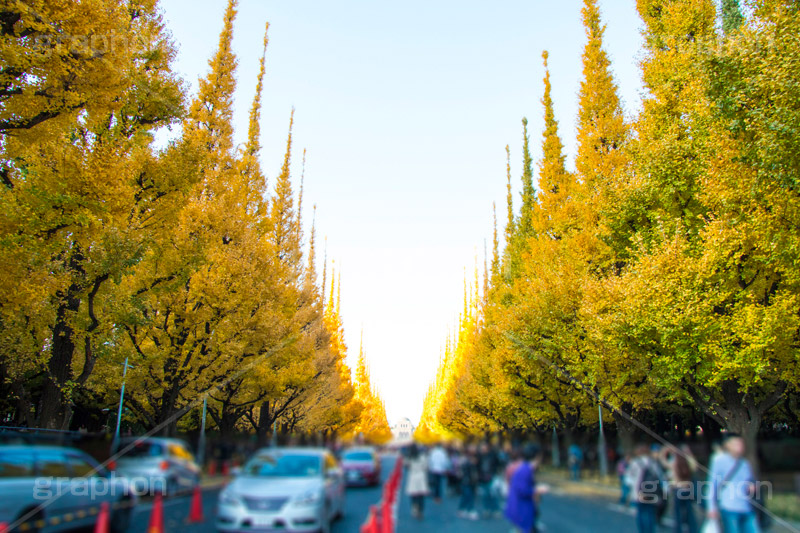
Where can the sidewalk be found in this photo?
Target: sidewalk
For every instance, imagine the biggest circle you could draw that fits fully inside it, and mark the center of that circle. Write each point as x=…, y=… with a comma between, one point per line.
x=213, y=482
x=599, y=490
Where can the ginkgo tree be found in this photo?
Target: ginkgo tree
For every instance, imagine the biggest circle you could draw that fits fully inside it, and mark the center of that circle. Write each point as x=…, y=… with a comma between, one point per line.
x=83, y=192
x=179, y=260
x=661, y=274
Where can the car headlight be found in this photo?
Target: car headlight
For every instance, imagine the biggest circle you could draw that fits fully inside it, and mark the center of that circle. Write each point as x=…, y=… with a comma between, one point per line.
x=307, y=499
x=229, y=498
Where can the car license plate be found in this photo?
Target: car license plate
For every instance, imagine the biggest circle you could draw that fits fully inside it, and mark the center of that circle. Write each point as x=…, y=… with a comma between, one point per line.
x=263, y=521
x=352, y=475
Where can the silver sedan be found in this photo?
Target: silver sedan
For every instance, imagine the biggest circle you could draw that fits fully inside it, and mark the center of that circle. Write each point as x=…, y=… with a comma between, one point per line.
x=283, y=489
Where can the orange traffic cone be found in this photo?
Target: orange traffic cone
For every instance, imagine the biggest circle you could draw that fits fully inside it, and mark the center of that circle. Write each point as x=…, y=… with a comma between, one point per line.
x=371, y=525
x=157, y=516
x=103, y=519
x=386, y=518
x=196, y=510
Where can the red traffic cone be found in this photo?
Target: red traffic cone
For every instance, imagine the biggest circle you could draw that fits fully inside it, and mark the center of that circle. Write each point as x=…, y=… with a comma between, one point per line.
x=371, y=525
x=212, y=468
x=3, y=527
x=226, y=470
x=157, y=516
x=196, y=510
x=103, y=519
x=386, y=518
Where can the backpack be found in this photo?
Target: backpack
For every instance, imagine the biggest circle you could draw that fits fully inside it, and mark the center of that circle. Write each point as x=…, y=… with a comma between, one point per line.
x=650, y=489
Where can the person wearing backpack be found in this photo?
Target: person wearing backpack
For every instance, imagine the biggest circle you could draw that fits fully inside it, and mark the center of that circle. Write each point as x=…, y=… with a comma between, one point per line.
x=732, y=489
x=645, y=477
x=682, y=487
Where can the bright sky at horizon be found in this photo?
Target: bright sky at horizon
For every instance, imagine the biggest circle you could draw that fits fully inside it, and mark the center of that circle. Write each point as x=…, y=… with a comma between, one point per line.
x=405, y=110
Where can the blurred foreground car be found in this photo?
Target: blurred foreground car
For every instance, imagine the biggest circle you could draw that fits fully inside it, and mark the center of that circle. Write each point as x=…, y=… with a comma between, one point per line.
x=154, y=464
x=362, y=466
x=61, y=488
x=284, y=489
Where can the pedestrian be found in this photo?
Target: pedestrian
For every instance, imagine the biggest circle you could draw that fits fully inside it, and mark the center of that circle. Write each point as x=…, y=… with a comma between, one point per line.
x=439, y=464
x=469, y=483
x=661, y=508
x=574, y=460
x=645, y=478
x=487, y=470
x=417, y=480
x=454, y=473
x=523, y=497
x=514, y=462
x=681, y=466
x=732, y=488
x=622, y=468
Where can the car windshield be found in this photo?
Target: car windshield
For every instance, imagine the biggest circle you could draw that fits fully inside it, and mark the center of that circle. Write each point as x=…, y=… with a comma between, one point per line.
x=142, y=449
x=357, y=456
x=279, y=465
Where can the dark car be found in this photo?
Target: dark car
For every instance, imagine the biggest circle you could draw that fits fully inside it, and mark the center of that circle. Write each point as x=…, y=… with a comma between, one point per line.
x=362, y=466
x=52, y=488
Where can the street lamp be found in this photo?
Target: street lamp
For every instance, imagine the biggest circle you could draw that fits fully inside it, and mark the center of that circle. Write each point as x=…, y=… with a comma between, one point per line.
x=601, y=446
x=201, y=446
x=119, y=409
x=556, y=450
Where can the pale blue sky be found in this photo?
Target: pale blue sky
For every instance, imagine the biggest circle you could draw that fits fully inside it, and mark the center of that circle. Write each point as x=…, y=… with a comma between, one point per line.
x=405, y=109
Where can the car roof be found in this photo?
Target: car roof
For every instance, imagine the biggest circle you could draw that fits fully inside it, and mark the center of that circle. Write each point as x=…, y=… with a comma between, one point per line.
x=292, y=450
x=37, y=448
x=164, y=440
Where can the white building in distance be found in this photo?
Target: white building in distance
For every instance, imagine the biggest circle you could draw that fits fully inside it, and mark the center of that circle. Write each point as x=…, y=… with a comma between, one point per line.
x=403, y=430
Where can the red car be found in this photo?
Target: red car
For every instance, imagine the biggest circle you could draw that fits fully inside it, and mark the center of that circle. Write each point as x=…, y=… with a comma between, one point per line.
x=361, y=466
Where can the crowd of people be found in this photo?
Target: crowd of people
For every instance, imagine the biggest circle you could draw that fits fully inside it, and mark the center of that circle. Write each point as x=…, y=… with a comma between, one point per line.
x=489, y=481
x=500, y=481
x=655, y=478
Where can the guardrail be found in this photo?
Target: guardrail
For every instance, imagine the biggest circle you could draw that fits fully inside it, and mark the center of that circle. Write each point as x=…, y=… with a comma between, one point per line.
x=382, y=517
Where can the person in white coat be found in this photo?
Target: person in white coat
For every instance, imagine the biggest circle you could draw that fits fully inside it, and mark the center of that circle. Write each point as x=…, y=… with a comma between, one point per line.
x=439, y=464
x=417, y=480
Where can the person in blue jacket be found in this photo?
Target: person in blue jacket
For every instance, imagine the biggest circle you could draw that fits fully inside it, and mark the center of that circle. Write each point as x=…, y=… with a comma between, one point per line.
x=521, y=505
x=733, y=488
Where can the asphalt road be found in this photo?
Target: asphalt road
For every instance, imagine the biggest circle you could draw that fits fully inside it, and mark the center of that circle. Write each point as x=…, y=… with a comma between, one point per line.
x=176, y=511
x=560, y=513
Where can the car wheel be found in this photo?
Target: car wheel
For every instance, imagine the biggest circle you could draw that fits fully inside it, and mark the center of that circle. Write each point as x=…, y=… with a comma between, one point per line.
x=121, y=517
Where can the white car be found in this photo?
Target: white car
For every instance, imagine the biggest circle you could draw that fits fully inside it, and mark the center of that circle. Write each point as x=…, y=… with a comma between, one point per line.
x=283, y=489
x=154, y=464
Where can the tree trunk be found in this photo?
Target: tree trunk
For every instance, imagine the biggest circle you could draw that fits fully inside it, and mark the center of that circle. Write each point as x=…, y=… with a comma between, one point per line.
x=167, y=412
x=52, y=404
x=746, y=423
x=742, y=414
x=626, y=432
x=264, y=424
x=227, y=422
x=22, y=410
